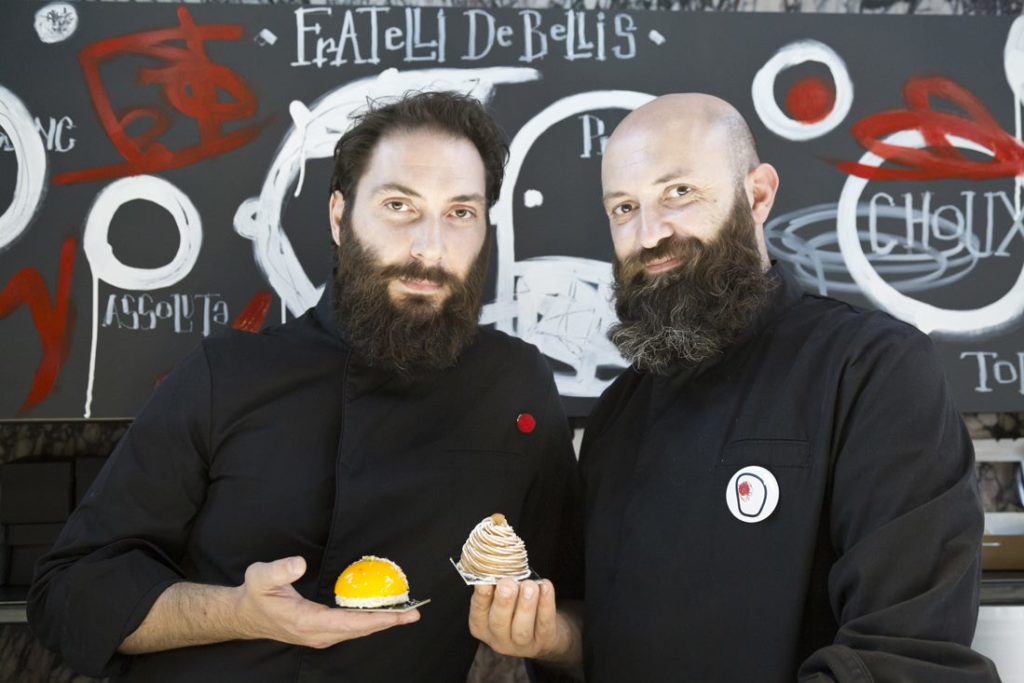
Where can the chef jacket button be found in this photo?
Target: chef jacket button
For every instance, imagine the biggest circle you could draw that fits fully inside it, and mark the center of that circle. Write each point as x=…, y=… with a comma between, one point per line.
x=526, y=423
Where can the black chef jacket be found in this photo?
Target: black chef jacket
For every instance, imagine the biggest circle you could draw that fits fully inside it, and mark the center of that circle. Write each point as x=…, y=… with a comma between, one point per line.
x=868, y=570
x=263, y=446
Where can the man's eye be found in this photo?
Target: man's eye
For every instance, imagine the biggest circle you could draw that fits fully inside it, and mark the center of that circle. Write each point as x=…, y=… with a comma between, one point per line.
x=396, y=205
x=680, y=191
x=623, y=209
x=464, y=213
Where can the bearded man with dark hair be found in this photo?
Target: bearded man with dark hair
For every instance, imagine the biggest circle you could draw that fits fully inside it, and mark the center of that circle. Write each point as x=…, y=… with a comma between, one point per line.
x=382, y=422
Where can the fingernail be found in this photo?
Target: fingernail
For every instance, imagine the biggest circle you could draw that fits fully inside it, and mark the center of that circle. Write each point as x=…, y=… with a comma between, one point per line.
x=505, y=591
x=294, y=565
x=528, y=591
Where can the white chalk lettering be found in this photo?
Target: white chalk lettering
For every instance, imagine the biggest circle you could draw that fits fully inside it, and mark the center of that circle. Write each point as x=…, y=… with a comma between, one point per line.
x=54, y=132
x=955, y=223
x=358, y=35
x=532, y=20
x=999, y=370
x=980, y=356
x=374, y=57
x=434, y=48
x=593, y=129
x=625, y=27
x=347, y=47
x=178, y=312
x=576, y=44
x=302, y=28
x=474, y=50
x=393, y=39
x=1015, y=229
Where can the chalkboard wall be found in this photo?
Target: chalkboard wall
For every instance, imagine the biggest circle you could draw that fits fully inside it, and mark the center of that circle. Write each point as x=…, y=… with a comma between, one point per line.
x=164, y=173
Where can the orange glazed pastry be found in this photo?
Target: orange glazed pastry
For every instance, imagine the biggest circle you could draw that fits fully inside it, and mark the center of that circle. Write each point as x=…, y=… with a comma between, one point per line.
x=372, y=582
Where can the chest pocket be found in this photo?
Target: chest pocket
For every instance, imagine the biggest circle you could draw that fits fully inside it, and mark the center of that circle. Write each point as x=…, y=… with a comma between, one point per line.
x=479, y=482
x=768, y=453
x=507, y=462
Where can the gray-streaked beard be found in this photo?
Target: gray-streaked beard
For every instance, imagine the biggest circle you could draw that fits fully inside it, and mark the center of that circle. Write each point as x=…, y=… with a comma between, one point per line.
x=415, y=335
x=695, y=311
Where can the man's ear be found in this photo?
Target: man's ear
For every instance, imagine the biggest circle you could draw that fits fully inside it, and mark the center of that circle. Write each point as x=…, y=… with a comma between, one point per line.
x=337, y=211
x=762, y=186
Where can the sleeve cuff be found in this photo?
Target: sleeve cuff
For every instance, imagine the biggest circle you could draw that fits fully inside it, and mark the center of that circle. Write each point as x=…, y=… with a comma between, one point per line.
x=108, y=600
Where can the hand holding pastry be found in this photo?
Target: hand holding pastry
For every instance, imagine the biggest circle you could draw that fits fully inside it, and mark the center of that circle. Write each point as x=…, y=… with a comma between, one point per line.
x=521, y=619
x=270, y=607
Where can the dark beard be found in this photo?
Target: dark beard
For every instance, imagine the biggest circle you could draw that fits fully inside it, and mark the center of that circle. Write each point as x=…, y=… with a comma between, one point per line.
x=695, y=311
x=413, y=336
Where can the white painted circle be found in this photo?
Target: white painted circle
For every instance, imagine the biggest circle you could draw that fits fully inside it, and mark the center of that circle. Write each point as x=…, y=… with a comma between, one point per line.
x=752, y=494
x=928, y=318
x=29, y=152
x=763, y=90
x=56, y=22
x=106, y=266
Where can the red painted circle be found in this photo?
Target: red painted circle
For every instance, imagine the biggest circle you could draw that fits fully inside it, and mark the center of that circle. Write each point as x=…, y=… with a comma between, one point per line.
x=744, y=489
x=810, y=100
x=526, y=423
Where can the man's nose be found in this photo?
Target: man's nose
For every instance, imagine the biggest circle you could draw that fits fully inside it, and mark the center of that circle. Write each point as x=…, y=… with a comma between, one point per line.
x=428, y=245
x=653, y=228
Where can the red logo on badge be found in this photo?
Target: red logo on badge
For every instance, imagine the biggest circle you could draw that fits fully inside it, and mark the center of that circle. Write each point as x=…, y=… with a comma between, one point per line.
x=745, y=490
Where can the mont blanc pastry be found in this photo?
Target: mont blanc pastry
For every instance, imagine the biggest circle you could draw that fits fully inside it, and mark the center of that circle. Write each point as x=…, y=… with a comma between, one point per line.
x=494, y=551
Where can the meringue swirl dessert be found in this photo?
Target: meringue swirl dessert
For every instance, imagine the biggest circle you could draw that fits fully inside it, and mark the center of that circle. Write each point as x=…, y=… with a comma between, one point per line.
x=494, y=551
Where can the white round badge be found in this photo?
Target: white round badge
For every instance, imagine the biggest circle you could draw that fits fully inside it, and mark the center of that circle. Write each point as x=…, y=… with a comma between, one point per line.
x=752, y=494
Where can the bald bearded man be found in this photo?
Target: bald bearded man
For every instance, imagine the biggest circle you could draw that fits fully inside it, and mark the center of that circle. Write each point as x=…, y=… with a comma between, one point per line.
x=780, y=487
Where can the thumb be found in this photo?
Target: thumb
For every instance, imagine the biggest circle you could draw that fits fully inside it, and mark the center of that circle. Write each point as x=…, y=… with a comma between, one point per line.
x=278, y=573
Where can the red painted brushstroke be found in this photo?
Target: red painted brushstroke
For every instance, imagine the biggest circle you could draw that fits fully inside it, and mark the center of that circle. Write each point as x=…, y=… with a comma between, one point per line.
x=251, y=319
x=190, y=85
x=53, y=321
x=939, y=159
x=810, y=100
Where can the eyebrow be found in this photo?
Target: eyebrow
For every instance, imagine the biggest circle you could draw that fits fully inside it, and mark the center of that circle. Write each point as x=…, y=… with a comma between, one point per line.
x=672, y=175
x=467, y=198
x=398, y=187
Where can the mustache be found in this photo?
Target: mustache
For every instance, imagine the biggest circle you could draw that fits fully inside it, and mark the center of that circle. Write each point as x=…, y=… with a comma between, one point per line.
x=687, y=250
x=414, y=270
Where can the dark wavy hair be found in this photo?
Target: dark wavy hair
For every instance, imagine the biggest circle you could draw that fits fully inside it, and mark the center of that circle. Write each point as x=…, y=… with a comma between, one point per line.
x=447, y=112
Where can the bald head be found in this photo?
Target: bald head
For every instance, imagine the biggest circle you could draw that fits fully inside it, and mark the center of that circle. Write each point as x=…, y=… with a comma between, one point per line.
x=700, y=118
x=677, y=167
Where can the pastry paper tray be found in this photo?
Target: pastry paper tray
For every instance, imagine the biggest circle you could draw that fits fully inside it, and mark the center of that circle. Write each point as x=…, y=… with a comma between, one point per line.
x=404, y=607
x=474, y=580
